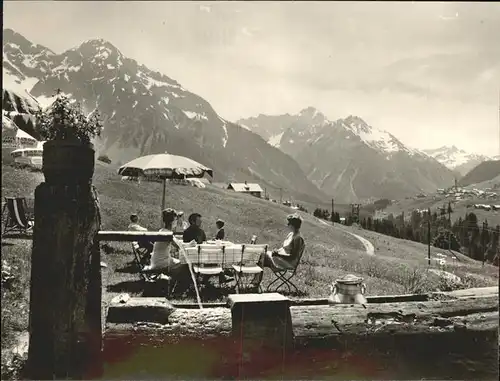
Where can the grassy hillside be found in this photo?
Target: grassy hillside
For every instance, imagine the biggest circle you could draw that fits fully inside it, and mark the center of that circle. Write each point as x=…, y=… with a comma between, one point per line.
x=331, y=251
x=485, y=171
x=397, y=267
x=491, y=184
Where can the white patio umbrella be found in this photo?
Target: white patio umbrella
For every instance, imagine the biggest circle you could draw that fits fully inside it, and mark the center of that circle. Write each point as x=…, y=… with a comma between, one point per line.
x=164, y=166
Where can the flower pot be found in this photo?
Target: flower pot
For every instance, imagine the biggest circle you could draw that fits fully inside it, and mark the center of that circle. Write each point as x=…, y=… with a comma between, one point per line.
x=68, y=162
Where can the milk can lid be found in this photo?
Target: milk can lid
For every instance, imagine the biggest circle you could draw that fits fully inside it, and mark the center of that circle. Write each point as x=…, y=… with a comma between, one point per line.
x=350, y=279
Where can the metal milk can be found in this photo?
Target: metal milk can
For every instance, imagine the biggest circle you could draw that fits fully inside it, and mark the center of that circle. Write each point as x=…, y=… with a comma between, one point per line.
x=349, y=289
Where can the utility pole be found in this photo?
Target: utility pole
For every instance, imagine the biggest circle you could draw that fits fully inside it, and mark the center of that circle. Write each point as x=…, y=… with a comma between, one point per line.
x=449, y=213
x=429, y=236
x=484, y=245
x=333, y=212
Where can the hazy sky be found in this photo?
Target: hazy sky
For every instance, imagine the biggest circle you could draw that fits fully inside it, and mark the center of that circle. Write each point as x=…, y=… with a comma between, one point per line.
x=427, y=72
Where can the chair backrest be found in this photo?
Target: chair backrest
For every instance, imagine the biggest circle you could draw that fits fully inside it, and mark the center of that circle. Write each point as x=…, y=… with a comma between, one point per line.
x=191, y=254
x=299, y=256
x=232, y=254
x=17, y=210
x=135, y=250
x=210, y=255
x=250, y=254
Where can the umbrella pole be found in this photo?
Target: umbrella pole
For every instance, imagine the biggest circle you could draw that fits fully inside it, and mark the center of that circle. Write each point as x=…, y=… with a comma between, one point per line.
x=163, y=197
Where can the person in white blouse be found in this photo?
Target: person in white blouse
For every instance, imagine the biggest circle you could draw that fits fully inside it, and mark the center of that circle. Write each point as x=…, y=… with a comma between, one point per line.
x=180, y=224
x=165, y=255
x=288, y=254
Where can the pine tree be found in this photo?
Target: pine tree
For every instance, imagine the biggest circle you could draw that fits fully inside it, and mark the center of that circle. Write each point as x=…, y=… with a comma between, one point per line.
x=445, y=239
x=494, y=248
x=484, y=239
x=369, y=223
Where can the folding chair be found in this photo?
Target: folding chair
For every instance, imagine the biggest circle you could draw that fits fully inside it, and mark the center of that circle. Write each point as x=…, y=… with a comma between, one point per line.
x=140, y=259
x=17, y=219
x=248, y=264
x=285, y=275
x=210, y=261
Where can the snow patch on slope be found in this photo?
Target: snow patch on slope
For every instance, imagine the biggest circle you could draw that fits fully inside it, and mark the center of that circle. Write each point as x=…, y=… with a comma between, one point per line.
x=16, y=81
x=226, y=136
x=275, y=140
x=193, y=115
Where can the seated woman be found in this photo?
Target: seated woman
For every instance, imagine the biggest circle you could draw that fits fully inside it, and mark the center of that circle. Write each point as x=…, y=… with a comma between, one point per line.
x=285, y=257
x=166, y=255
x=180, y=225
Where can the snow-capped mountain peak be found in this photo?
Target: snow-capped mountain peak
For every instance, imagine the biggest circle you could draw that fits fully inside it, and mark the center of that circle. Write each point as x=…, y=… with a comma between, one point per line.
x=379, y=140
x=311, y=115
x=144, y=111
x=455, y=158
x=350, y=158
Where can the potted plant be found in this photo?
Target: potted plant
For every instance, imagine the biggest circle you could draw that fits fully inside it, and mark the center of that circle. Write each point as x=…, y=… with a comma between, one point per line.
x=68, y=154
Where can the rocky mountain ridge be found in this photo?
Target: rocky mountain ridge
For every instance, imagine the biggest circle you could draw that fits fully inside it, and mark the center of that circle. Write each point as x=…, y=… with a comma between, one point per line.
x=145, y=111
x=351, y=159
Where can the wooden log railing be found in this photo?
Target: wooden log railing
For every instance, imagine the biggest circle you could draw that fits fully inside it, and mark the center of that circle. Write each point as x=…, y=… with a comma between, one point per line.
x=132, y=236
x=312, y=320
x=443, y=336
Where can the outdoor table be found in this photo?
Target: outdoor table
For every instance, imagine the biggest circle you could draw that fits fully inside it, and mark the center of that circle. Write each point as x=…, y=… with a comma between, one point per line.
x=232, y=252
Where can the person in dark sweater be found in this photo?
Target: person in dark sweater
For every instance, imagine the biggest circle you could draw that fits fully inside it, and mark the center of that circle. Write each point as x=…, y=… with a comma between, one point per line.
x=220, y=230
x=194, y=232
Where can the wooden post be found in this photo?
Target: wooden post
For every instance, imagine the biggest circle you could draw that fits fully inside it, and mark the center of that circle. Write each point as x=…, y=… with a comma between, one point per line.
x=65, y=295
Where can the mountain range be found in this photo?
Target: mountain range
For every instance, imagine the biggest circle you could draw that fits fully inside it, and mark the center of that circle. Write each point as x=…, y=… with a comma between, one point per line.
x=145, y=111
x=456, y=159
x=349, y=158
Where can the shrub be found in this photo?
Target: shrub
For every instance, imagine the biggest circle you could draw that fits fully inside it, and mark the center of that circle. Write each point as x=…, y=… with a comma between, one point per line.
x=64, y=121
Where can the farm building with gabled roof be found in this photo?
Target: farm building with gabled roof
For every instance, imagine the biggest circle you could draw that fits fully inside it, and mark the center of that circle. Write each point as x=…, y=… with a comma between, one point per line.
x=250, y=188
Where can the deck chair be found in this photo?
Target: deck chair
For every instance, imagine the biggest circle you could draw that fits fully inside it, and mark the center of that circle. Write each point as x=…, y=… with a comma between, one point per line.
x=17, y=219
x=284, y=275
x=248, y=264
x=210, y=261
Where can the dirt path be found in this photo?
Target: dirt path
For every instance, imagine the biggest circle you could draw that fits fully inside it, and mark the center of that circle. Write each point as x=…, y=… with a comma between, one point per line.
x=370, y=250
